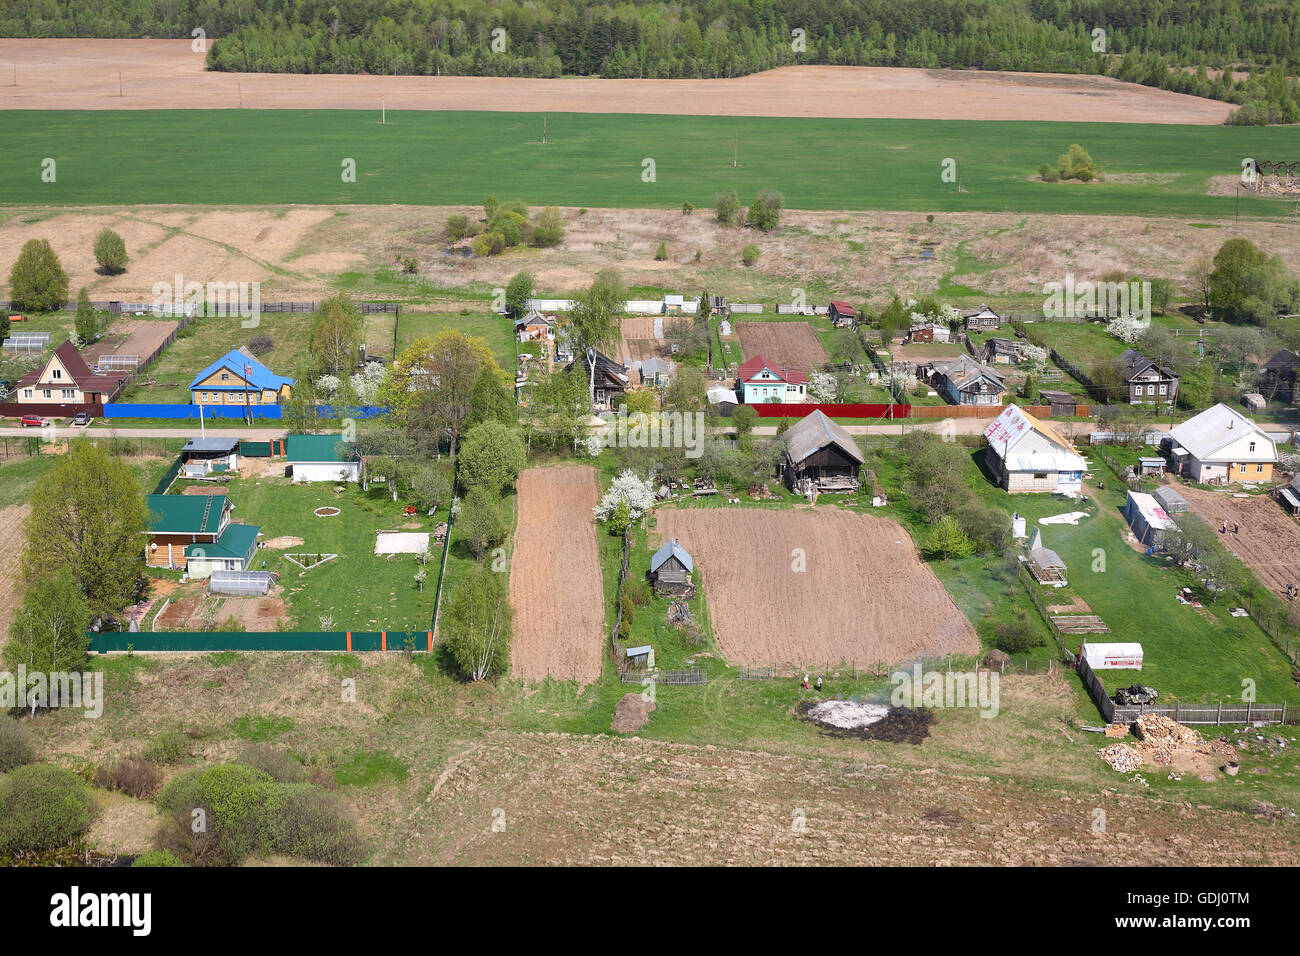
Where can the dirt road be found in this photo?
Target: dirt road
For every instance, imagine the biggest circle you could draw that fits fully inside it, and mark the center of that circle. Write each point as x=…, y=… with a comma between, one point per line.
x=168, y=74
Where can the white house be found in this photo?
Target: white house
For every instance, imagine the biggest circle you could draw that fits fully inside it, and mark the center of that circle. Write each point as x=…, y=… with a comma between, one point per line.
x=1221, y=445
x=1028, y=455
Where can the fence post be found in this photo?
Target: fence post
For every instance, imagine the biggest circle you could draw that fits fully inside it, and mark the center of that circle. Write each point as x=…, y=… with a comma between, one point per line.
x=1219, y=714
x=1248, y=711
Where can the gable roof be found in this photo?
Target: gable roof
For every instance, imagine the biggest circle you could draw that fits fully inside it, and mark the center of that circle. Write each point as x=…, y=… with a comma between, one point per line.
x=964, y=371
x=971, y=313
x=652, y=365
x=235, y=542
x=1204, y=434
x=814, y=433
x=1133, y=363
x=604, y=366
x=309, y=449
x=843, y=308
x=1283, y=361
x=672, y=549
x=259, y=376
x=1009, y=428
x=186, y=514
x=753, y=366
x=76, y=367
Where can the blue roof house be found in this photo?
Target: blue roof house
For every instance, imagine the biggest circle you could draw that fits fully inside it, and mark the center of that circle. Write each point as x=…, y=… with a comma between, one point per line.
x=237, y=378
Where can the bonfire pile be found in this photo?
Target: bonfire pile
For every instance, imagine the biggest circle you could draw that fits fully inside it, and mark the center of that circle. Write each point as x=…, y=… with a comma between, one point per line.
x=1121, y=757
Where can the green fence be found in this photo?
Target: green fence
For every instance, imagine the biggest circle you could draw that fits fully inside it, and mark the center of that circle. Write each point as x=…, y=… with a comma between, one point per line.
x=166, y=481
x=172, y=641
x=255, y=449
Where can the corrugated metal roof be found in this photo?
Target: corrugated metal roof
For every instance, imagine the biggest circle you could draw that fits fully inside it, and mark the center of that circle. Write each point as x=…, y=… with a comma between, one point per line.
x=315, y=448
x=211, y=444
x=815, y=432
x=235, y=542
x=1205, y=434
x=671, y=549
x=1170, y=499
x=244, y=365
x=186, y=514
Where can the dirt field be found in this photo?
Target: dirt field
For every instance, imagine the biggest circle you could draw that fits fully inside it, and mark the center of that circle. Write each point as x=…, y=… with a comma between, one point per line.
x=139, y=337
x=865, y=596
x=167, y=74
x=1269, y=541
x=555, y=581
x=11, y=548
x=791, y=344
x=637, y=339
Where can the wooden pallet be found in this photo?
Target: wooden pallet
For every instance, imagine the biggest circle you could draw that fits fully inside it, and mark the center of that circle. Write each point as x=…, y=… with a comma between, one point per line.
x=1079, y=624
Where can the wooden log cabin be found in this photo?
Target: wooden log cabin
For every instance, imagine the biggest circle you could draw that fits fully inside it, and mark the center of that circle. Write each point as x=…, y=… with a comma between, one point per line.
x=194, y=533
x=671, y=566
x=820, y=454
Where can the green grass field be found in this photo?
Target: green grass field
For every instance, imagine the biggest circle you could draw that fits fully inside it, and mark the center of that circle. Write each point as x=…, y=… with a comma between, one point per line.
x=298, y=156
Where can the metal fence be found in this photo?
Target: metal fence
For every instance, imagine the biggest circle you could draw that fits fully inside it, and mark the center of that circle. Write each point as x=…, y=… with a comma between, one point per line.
x=1206, y=714
x=689, y=677
x=189, y=641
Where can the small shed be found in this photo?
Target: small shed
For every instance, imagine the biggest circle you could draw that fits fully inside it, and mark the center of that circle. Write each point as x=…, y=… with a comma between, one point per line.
x=1107, y=657
x=1150, y=466
x=1169, y=499
x=641, y=657
x=1150, y=522
x=723, y=399
x=1063, y=404
x=671, y=565
x=201, y=456
x=657, y=371
x=1254, y=401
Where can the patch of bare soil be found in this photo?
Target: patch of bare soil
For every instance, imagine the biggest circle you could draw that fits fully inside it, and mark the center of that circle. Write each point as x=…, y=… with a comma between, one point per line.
x=778, y=593
x=631, y=714
x=1269, y=540
x=901, y=725
x=123, y=825
x=11, y=549
x=282, y=542
x=131, y=337
x=555, y=579
x=788, y=345
x=167, y=74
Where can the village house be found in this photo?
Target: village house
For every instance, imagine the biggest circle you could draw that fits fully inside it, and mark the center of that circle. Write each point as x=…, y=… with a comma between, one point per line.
x=981, y=319
x=1147, y=382
x=1279, y=376
x=927, y=333
x=609, y=378
x=1062, y=404
x=657, y=371
x=843, y=315
x=237, y=378
x=963, y=381
x=194, y=533
x=998, y=351
x=1219, y=446
x=671, y=567
x=820, y=454
x=759, y=382
x=319, y=458
x=66, y=379
x=1025, y=454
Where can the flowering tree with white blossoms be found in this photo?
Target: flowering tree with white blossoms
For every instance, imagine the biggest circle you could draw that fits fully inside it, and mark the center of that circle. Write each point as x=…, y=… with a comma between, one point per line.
x=821, y=386
x=638, y=494
x=1035, y=355
x=328, y=384
x=1126, y=328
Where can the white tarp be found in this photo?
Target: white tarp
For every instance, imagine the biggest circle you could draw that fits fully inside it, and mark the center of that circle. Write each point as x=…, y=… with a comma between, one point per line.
x=1113, y=656
x=401, y=542
x=1070, y=517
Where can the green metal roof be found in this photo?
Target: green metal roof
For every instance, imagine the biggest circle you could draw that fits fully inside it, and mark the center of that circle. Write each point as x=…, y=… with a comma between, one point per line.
x=315, y=448
x=186, y=514
x=235, y=542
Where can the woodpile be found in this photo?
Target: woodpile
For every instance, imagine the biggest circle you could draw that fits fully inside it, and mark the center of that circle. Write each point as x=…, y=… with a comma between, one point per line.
x=679, y=614
x=1121, y=757
x=1161, y=740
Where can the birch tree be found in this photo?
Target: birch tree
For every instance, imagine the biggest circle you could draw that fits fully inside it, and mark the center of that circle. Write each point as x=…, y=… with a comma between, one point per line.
x=478, y=625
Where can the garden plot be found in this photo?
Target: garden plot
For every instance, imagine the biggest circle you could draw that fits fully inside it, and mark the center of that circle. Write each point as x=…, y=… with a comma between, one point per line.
x=793, y=345
x=817, y=587
x=1269, y=540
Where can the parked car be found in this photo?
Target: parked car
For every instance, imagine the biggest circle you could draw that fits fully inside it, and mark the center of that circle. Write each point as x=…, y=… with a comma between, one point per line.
x=33, y=421
x=82, y=418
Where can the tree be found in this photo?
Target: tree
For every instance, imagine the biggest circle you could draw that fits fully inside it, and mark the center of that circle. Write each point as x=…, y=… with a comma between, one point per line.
x=480, y=523
x=1245, y=283
x=1075, y=163
x=549, y=228
x=948, y=540
x=627, y=487
x=431, y=485
x=49, y=629
x=1198, y=274
x=687, y=392
x=518, y=291
x=110, y=252
x=86, y=325
x=743, y=418
x=726, y=207
x=88, y=515
x=4, y=324
x=336, y=333
x=37, y=280
x=491, y=401
x=749, y=255
x=477, y=624
x=460, y=227
x=765, y=211
x=892, y=319
x=593, y=321
x=492, y=457
x=822, y=387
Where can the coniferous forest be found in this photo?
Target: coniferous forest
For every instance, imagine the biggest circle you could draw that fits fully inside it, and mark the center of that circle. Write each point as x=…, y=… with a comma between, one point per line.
x=1179, y=45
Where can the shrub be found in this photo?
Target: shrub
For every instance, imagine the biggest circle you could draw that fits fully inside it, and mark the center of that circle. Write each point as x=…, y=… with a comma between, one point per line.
x=167, y=747
x=489, y=244
x=1018, y=635
x=136, y=778
x=157, y=858
x=638, y=592
x=409, y=264
x=726, y=207
x=549, y=229
x=300, y=820
x=42, y=807
x=765, y=211
x=15, y=744
x=749, y=255
x=687, y=208
x=461, y=227
x=230, y=798
x=277, y=764
x=110, y=251
x=260, y=343
x=661, y=253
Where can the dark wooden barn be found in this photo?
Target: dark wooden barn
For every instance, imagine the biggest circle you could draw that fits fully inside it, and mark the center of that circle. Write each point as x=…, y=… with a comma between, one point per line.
x=822, y=455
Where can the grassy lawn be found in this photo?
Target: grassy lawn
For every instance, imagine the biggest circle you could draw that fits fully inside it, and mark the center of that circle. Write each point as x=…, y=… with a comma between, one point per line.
x=292, y=156
x=362, y=590
x=19, y=475
x=207, y=339
x=498, y=331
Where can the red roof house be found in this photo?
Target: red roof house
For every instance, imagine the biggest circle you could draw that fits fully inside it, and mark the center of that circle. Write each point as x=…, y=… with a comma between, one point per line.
x=759, y=381
x=66, y=379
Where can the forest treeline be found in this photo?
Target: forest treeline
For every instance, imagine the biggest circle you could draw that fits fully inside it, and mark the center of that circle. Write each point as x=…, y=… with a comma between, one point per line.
x=1171, y=44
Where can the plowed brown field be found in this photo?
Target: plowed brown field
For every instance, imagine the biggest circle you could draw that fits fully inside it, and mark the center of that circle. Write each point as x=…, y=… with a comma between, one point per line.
x=11, y=549
x=555, y=582
x=864, y=596
x=1269, y=540
x=793, y=345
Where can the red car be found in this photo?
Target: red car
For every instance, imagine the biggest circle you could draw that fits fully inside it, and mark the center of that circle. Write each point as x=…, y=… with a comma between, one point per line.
x=33, y=420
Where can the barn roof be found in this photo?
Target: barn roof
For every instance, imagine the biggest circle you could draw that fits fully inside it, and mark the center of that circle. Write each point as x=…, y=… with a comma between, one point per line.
x=843, y=308
x=186, y=514
x=671, y=549
x=814, y=433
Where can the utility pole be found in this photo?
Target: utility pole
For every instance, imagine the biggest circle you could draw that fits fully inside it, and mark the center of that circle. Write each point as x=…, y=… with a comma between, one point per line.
x=383, y=112
x=240, y=90
x=543, y=129
x=735, y=152
x=119, y=82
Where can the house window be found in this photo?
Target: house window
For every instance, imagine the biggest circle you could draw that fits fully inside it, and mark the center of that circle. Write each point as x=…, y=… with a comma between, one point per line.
x=1162, y=389
x=1259, y=469
x=1151, y=389
x=1040, y=475
x=69, y=392
x=225, y=376
x=1243, y=469
x=27, y=393
x=45, y=392
x=56, y=373
x=1252, y=446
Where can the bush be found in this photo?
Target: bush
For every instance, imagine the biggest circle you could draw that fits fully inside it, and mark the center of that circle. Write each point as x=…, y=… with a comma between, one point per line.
x=489, y=244
x=277, y=764
x=1018, y=635
x=637, y=592
x=42, y=807
x=15, y=744
x=661, y=253
x=549, y=229
x=300, y=820
x=260, y=343
x=136, y=778
x=230, y=798
x=687, y=208
x=110, y=251
x=156, y=858
x=749, y=255
x=409, y=264
x=765, y=211
x=726, y=207
x=167, y=747
x=461, y=227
